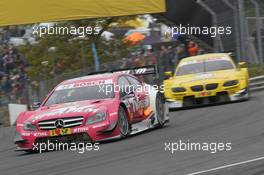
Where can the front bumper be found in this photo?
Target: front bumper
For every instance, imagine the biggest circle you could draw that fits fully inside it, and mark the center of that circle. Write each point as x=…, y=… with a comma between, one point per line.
x=90, y=133
x=191, y=101
x=240, y=95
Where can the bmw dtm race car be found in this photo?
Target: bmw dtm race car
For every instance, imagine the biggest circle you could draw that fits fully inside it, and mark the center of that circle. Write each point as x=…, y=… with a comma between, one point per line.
x=94, y=108
x=206, y=79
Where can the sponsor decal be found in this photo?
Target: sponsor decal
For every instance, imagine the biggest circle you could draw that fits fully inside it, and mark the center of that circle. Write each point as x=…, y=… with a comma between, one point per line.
x=40, y=134
x=137, y=104
x=25, y=134
x=113, y=113
x=203, y=60
x=217, y=58
x=125, y=71
x=82, y=129
x=203, y=76
x=190, y=62
x=83, y=84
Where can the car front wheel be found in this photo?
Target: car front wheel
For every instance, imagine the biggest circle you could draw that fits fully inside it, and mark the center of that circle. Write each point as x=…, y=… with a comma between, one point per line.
x=123, y=122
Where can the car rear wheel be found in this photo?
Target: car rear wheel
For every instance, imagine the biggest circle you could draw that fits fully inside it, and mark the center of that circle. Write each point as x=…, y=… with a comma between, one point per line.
x=160, y=110
x=123, y=122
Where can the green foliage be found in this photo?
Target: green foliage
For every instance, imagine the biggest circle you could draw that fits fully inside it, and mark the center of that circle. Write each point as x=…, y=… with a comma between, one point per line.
x=72, y=53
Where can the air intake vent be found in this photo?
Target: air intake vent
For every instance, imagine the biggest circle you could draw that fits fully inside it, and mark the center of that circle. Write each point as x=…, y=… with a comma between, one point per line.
x=197, y=88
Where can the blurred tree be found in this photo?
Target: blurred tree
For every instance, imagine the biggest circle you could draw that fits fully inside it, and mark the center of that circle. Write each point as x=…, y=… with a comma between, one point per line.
x=72, y=52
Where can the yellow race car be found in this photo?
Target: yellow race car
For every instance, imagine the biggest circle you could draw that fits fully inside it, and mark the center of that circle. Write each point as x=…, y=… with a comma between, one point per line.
x=206, y=79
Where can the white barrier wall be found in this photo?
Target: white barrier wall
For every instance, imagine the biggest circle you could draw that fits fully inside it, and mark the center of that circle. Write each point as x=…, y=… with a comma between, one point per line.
x=14, y=111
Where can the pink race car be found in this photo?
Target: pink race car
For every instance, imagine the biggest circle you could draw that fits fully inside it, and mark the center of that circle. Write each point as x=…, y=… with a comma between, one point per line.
x=94, y=108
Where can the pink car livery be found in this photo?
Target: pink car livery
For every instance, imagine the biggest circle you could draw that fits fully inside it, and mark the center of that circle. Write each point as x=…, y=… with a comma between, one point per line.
x=94, y=108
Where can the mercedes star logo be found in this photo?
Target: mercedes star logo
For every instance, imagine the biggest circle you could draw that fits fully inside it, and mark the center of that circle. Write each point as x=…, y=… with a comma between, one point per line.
x=59, y=123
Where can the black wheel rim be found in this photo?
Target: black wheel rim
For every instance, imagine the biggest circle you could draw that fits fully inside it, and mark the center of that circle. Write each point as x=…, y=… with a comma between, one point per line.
x=122, y=123
x=160, y=110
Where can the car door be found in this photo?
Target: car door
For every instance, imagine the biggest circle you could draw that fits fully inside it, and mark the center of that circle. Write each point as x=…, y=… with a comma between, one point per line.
x=141, y=97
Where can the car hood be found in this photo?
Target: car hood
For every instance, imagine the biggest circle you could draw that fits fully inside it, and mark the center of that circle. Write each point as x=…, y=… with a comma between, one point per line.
x=83, y=108
x=201, y=78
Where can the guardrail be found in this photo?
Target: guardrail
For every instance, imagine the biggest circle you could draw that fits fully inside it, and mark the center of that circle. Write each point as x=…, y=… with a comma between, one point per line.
x=257, y=83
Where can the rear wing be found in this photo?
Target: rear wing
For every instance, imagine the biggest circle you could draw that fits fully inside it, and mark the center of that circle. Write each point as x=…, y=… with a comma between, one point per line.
x=136, y=71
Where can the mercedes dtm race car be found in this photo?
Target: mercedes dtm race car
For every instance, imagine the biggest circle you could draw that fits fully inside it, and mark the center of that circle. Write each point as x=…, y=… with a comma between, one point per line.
x=206, y=79
x=94, y=108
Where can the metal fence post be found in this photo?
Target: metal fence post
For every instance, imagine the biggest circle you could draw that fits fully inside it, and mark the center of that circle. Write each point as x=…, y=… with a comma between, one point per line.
x=237, y=31
x=258, y=31
x=218, y=46
x=241, y=12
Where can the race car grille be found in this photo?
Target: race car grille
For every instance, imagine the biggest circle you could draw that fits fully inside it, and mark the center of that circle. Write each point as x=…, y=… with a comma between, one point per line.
x=211, y=86
x=60, y=123
x=191, y=101
x=73, y=138
x=197, y=88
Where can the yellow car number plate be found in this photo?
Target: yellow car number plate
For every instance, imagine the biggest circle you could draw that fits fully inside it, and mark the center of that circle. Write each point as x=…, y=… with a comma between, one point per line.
x=63, y=131
x=204, y=94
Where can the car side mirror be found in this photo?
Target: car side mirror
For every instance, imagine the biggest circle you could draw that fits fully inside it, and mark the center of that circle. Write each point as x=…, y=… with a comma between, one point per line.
x=232, y=54
x=241, y=64
x=131, y=94
x=168, y=74
x=36, y=105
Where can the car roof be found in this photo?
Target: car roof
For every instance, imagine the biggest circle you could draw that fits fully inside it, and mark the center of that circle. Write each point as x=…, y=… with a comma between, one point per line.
x=206, y=56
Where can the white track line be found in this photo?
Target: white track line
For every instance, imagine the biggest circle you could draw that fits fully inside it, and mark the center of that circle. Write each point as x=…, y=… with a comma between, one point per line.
x=227, y=166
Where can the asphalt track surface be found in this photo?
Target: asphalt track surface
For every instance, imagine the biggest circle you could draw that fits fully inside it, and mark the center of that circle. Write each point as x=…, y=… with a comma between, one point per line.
x=144, y=154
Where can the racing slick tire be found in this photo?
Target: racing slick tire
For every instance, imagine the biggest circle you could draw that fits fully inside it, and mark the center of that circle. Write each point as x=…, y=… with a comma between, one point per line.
x=160, y=110
x=122, y=123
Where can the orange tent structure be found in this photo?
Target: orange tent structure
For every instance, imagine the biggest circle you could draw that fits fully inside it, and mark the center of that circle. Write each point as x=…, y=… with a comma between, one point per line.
x=134, y=38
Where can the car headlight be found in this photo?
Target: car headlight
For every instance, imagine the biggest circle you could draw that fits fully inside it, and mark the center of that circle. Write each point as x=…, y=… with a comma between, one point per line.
x=178, y=89
x=29, y=127
x=231, y=83
x=98, y=117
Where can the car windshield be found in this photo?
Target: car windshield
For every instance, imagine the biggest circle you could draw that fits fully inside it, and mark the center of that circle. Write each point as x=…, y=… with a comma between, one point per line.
x=80, y=94
x=205, y=66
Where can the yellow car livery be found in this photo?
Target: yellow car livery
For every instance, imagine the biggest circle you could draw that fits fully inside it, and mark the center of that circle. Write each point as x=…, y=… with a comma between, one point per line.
x=206, y=79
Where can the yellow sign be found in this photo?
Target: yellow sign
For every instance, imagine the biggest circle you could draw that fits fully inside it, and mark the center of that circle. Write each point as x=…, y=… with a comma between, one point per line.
x=14, y=12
